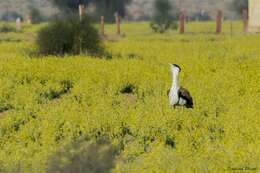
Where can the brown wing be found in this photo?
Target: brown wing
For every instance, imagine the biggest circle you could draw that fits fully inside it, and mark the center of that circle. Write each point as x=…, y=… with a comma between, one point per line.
x=185, y=94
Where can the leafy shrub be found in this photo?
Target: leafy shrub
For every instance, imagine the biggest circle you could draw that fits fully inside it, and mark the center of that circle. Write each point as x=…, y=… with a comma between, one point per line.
x=163, y=18
x=69, y=36
x=7, y=28
x=83, y=156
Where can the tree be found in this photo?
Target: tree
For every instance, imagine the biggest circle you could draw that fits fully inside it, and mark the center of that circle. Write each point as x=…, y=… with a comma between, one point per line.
x=164, y=18
x=35, y=14
x=239, y=5
x=103, y=7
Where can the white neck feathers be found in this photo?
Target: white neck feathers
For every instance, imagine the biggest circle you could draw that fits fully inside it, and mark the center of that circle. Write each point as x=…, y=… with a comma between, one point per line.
x=175, y=83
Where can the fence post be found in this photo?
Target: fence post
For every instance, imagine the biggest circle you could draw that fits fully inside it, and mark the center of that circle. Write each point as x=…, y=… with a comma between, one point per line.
x=245, y=20
x=81, y=11
x=182, y=22
x=102, y=30
x=219, y=22
x=118, y=29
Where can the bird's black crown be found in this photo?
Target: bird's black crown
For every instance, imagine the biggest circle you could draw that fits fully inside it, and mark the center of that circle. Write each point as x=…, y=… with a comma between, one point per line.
x=175, y=65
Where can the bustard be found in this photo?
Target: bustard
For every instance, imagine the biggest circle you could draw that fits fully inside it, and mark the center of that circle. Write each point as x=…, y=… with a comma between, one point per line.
x=178, y=96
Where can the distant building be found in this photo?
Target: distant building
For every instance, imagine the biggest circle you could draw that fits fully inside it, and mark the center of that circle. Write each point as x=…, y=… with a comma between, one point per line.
x=254, y=16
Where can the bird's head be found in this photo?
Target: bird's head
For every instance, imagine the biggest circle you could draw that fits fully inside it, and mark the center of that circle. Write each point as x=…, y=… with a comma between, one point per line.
x=175, y=68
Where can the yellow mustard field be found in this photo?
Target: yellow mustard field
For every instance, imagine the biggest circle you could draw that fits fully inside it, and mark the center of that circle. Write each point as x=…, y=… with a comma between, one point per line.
x=48, y=103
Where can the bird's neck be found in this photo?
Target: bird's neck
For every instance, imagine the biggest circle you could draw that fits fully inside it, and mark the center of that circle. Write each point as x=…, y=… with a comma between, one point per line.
x=175, y=83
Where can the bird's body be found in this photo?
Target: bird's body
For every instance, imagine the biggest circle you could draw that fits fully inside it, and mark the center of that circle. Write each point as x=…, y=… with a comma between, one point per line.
x=178, y=96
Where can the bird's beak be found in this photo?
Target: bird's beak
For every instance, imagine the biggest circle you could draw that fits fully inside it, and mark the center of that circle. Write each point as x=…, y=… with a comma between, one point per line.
x=170, y=64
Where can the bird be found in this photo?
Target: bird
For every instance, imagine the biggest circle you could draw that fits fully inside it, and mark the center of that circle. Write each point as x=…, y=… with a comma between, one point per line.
x=178, y=96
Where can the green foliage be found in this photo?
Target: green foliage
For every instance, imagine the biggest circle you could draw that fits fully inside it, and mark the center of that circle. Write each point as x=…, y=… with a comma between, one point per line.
x=163, y=18
x=106, y=8
x=69, y=36
x=124, y=100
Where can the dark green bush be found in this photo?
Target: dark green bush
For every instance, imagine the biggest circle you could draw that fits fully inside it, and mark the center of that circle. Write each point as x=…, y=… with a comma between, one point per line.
x=36, y=15
x=69, y=35
x=239, y=6
x=83, y=156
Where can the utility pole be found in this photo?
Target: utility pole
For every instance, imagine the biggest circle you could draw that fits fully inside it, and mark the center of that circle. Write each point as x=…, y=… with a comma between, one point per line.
x=182, y=22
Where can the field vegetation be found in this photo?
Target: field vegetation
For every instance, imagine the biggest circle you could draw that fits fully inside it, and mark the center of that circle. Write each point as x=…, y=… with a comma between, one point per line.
x=58, y=112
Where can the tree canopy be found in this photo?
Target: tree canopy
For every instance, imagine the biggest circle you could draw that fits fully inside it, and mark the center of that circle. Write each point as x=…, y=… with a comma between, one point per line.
x=69, y=5
x=103, y=7
x=164, y=17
